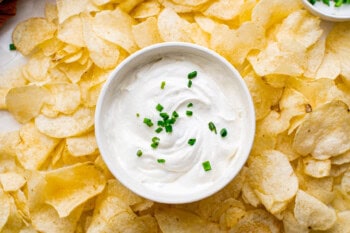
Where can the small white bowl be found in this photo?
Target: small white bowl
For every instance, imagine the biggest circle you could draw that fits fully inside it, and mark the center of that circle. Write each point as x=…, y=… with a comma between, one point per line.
x=329, y=13
x=115, y=81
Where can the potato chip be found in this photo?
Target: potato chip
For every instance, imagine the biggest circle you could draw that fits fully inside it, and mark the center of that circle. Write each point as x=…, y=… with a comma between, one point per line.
x=115, y=26
x=324, y=137
x=312, y=213
x=12, y=78
x=172, y=27
x=291, y=225
x=5, y=208
x=285, y=145
x=75, y=70
x=102, y=2
x=8, y=144
x=71, y=31
x=66, y=125
x=205, y=23
x=24, y=103
x=342, y=224
x=103, y=53
x=178, y=8
x=224, y=9
x=128, y=5
x=3, y=94
x=146, y=33
x=82, y=145
x=11, y=181
x=68, y=8
x=37, y=67
x=330, y=66
x=345, y=182
x=317, y=168
x=51, y=13
x=273, y=180
x=28, y=34
x=68, y=187
x=315, y=56
x=34, y=147
x=341, y=159
x=249, y=196
x=146, y=10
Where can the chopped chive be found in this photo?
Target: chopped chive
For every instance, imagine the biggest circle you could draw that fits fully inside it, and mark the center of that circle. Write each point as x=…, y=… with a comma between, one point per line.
x=12, y=47
x=192, y=141
x=148, y=122
x=162, y=85
x=212, y=127
x=206, y=166
x=158, y=130
x=175, y=114
x=160, y=123
x=137, y=114
x=139, y=153
x=223, y=132
x=161, y=160
x=168, y=128
x=170, y=121
x=159, y=107
x=154, y=145
x=326, y=2
x=312, y=2
x=189, y=84
x=189, y=113
x=190, y=105
x=155, y=139
x=164, y=115
x=192, y=75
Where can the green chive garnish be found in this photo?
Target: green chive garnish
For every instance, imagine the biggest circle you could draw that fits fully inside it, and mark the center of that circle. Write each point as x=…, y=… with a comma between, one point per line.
x=192, y=75
x=12, y=47
x=164, y=115
x=189, y=84
x=223, y=132
x=189, y=113
x=160, y=123
x=139, y=153
x=212, y=127
x=158, y=130
x=161, y=160
x=159, y=107
x=190, y=105
x=192, y=141
x=155, y=139
x=154, y=145
x=206, y=166
x=168, y=128
x=137, y=114
x=162, y=85
x=175, y=114
x=148, y=122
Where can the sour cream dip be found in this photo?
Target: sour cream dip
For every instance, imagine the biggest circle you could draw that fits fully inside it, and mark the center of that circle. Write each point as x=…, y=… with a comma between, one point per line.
x=171, y=165
x=329, y=12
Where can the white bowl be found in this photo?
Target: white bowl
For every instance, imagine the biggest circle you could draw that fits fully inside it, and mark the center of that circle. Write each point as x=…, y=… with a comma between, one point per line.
x=329, y=13
x=112, y=157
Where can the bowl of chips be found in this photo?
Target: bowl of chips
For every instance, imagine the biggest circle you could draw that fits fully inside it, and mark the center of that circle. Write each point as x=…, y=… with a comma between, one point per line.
x=175, y=122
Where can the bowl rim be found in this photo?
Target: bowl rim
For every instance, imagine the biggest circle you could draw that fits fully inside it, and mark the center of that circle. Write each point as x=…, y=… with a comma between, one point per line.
x=329, y=17
x=251, y=127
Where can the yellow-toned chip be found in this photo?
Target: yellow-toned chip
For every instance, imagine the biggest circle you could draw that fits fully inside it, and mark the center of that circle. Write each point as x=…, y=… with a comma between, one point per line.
x=205, y=23
x=317, y=168
x=190, y=2
x=51, y=13
x=12, y=78
x=146, y=9
x=82, y=145
x=342, y=225
x=8, y=143
x=291, y=225
x=325, y=132
x=249, y=195
x=37, y=67
x=68, y=8
x=311, y=212
x=236, y=44
x=345, y=182
x=176, y=220
x=28, y=34
x=66, y=125
x=102, y=2
x=24, y=103
x=176, y=7
x=71, y=31
x=315, y=56
x=68, y=187
x=146, y=33
x=128, y=5
x=74, y=71
x=34, y=147
x=273, y=180
x=11, y=181
x=5, y=208
x=341, y=159
x=172, y=27
x=92, y=95
x=115, y=26
x=103, y=53
x=64, y=97
x=3, y=94
x=224, y=9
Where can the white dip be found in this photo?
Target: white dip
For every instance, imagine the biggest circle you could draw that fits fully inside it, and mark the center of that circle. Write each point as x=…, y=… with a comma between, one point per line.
x=215, y=97
x=343, y=10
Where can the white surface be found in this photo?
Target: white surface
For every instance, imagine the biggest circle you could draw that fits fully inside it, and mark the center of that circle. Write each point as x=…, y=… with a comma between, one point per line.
x=329, y=13
x=176, y=190
x=10, y=60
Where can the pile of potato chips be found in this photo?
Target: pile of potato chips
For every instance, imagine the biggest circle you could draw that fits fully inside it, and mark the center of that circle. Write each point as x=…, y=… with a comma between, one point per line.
x=297, y=178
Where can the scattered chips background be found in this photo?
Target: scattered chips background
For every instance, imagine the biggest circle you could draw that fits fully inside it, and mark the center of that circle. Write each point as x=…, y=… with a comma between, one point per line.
x=297, y=178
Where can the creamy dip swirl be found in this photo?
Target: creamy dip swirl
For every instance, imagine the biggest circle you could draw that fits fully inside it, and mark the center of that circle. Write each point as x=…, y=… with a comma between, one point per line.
x=215, y=99
x=332, y=10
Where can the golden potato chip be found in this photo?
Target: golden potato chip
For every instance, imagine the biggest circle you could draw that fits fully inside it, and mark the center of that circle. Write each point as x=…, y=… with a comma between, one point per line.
x=128, y=5
x=342, y=225
x=24, y=103
x=28, y=34
x=71, y=31
x=341, y=159
x=146, y=33
x=176, y=7
x=34, y=147
x=51, y=13
x=5, y=208
x=3, y=94
x=37, y=67
x=317, y=168
x=190, y=2
x=285, y=145
x=115, y=26
x=102, y=2
x=249, y=196
x=345, y=182
x=315, y=56
x=11, y=181
x=74, y=57
x=68, y=187
x=291, y=225
x=330, y=66
x=82, y=145
x=146, y=10
x=103, y=53
x=224, y=9
x=176, y=220
x=198, y=36
x=172, y=27
x=64, y=126
x=8, y=143
x=74, y=71
x=12, y=78
x=325, y=131
x=205, y=23
x=312, y=213
x=68, y=8
x=273, y=180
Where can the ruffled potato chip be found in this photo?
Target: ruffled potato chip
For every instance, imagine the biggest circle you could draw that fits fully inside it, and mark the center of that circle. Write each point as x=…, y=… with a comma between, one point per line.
x=146, y=10
x=11, y=181
x=71, y=31
x=317, y=168
x=146, y=33
x=68, y=8
x=5, y=208
x=37, y=68
x=82, y=145
x=224, y=9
